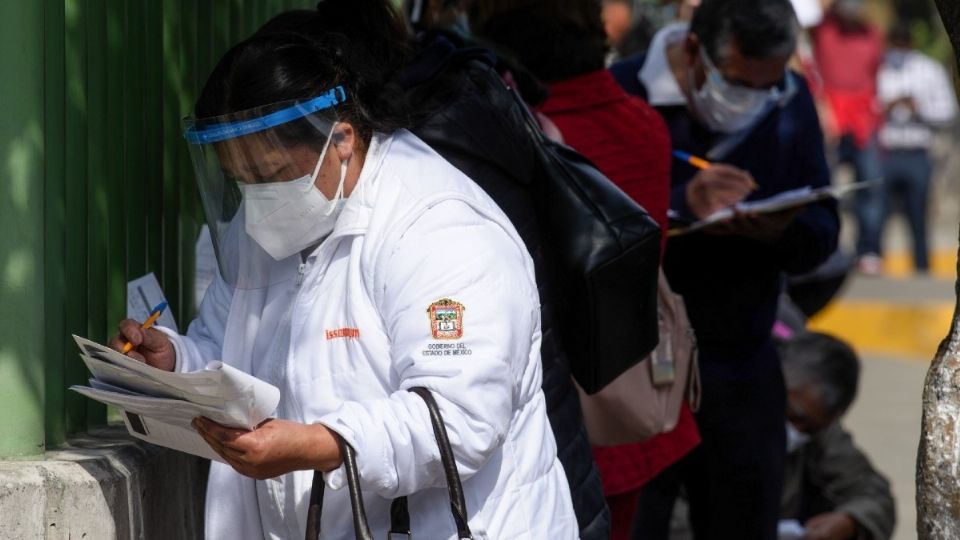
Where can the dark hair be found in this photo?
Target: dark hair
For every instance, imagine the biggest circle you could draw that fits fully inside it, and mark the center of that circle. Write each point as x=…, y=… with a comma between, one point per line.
x=358, y=44
x=415, y=10
x=825, y=362
x=900, y=34
x=759, y=28
x=554, y=39
x=638, y=37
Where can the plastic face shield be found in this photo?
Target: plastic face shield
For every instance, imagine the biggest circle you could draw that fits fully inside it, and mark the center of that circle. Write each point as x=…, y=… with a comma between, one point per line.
x=281, y=142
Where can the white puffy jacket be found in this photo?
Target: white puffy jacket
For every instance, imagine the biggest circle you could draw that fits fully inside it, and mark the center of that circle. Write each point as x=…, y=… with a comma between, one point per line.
x=345, y=344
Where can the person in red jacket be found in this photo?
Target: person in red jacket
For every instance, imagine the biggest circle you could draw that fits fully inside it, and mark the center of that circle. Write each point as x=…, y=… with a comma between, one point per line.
x=562, y=42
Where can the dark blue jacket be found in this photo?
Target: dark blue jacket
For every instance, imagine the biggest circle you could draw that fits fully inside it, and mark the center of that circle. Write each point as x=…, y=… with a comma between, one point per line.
x=731, y=284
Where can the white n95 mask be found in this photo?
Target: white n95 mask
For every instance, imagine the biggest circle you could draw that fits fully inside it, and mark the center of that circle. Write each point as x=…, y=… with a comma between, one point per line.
x=285, y=218
x=729, y=108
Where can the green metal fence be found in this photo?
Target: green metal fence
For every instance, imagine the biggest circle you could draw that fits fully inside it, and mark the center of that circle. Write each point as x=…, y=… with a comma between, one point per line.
x=96, y=186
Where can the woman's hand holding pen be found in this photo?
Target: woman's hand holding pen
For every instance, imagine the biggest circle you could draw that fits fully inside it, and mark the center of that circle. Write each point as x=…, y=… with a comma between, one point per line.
x=717, y=187
x=150, y=345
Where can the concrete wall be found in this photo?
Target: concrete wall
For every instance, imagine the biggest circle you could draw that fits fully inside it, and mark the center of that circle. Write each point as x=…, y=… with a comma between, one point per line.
x=103, y=486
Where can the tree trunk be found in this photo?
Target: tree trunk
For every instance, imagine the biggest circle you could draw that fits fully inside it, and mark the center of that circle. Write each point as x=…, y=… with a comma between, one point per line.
x=938, y=458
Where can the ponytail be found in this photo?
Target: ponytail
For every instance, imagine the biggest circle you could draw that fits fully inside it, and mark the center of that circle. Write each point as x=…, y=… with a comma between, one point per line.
x=357, y=44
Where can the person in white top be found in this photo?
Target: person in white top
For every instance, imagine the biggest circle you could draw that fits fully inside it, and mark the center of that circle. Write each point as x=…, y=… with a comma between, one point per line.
x=918, y=98
x=355, y=264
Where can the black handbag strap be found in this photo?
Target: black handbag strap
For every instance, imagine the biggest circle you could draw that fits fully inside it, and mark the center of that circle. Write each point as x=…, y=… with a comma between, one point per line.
x=315, y=510
x=533, y=126
x=399, y=513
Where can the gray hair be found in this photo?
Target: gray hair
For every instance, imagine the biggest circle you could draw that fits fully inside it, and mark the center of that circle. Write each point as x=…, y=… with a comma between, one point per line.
x=759, y=28
x=826, y=363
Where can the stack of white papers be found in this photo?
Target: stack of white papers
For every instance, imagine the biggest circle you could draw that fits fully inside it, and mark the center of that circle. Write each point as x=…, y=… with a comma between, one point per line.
x=158, y=406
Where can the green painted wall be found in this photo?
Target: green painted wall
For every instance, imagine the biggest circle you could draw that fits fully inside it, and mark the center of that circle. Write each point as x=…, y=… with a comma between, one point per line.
x=22, y=334
x=95, y=184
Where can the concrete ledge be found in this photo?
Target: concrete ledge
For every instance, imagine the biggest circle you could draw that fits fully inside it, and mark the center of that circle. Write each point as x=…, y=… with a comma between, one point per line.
x=101, y=486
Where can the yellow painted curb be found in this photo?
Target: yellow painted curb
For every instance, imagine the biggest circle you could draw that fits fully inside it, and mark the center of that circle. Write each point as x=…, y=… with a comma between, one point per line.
x=887, y=328
x=943, y=264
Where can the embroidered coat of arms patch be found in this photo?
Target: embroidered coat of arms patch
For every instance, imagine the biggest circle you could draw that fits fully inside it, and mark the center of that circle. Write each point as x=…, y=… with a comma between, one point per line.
x=446, y=319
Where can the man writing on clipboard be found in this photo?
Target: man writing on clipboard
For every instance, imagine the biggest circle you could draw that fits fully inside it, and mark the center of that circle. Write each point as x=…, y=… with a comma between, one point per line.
x=723, y=88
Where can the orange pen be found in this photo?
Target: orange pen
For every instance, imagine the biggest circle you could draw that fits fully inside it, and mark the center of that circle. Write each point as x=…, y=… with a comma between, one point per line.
x=154, y=315
x=699, y=162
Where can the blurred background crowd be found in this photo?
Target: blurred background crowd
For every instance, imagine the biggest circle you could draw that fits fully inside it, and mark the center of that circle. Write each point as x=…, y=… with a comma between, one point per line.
x=882, y=73
x=882, y=76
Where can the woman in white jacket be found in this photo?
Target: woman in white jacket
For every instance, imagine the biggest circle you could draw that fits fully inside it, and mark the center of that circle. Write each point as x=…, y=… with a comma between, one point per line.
x=356, y=264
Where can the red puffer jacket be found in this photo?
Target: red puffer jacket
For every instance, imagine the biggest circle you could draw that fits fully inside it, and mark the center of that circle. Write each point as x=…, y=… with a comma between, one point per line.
x=629, y=142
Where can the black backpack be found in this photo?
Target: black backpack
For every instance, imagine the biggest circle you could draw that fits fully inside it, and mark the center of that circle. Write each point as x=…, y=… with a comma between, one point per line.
x=603, y=247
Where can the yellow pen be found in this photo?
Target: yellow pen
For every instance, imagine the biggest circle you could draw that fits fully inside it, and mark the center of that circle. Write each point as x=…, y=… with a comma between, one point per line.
x=154, y=315
x=700, y=163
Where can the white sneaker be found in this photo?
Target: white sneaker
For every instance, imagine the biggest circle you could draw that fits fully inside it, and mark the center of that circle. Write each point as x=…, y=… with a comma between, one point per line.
x=870, y=264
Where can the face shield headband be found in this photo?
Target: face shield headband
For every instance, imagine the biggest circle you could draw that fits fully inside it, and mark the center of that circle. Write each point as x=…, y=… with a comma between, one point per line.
x=218, y=132
x=256, y=171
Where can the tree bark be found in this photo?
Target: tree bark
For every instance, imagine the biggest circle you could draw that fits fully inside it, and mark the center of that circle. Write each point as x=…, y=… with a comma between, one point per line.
x=938, y=458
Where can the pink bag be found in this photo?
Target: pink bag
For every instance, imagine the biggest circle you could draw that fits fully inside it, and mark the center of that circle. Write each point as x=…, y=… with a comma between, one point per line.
x=645, y=400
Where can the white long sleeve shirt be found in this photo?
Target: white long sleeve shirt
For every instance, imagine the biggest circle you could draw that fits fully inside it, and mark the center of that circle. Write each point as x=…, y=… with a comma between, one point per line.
x=911, y=74
x=419, y=256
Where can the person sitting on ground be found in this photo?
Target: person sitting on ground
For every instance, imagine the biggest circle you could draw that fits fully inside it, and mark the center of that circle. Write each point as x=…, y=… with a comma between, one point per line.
x=829, y=484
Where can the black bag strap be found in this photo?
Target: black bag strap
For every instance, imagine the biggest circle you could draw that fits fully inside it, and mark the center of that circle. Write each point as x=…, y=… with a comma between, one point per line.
x=533, y=126
x=399, y=513
x=316, y=506
x=315, y=510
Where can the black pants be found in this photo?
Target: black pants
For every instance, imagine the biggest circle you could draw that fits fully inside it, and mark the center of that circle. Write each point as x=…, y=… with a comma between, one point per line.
x=907, y=180
x=734, y=479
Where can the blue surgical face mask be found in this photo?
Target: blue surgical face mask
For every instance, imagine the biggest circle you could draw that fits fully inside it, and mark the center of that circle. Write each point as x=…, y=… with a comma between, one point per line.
x=796, y=439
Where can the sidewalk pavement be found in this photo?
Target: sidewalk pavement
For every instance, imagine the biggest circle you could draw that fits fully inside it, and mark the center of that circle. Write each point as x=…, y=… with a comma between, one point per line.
x=896, y=324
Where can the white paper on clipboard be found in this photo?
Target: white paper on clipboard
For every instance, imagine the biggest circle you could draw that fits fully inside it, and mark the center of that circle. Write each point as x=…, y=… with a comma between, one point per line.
x=143, y=294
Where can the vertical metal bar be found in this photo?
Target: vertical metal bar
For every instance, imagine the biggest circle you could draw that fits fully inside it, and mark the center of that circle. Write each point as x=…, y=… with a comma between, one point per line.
x=135, y=180
x=221, y=34
x=268, y=8
x=75, y=187
x=116, y=246
x=54, y=218
x=194, y=15
x=21, y=216
x=155, y=77
x=237, y=26
x=97, y=201
x=249, y=17
x=173, y=83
